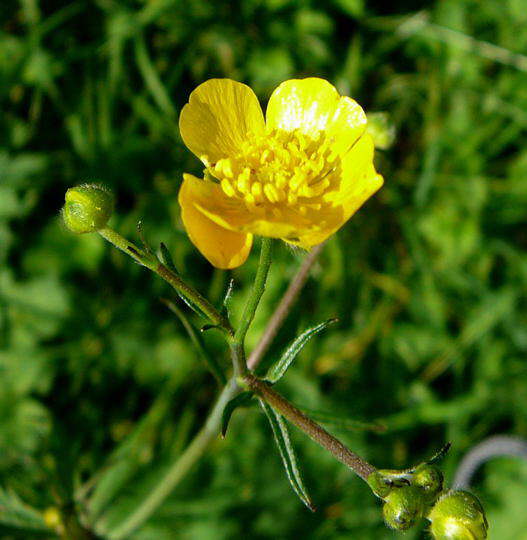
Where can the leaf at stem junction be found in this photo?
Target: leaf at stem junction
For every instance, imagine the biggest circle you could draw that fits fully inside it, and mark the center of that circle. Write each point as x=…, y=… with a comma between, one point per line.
x=238, y=401
x=277, y=370
x=166, y=258
x=287, y=453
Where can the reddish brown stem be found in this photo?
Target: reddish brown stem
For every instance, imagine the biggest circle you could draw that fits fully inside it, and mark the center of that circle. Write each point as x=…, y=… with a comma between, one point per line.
x=317, y=433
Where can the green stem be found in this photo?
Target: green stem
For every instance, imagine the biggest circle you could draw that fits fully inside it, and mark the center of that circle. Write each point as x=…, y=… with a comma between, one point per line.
x=317, y=433
x=169, y=276
x=257, y=291
x=199, y=444
x=180, y=468
x=237, y=343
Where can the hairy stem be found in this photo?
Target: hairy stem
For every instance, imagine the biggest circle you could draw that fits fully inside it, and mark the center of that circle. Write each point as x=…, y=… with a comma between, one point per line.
x=258, y=288
x=361, y=467
x=169, y=276
x=201, y=442
x=284, y=307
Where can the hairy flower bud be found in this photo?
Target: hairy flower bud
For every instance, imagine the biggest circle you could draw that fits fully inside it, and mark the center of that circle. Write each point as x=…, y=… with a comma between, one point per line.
x=403, y=507
x=88, y=208
x=429, y=479
x=458, y=515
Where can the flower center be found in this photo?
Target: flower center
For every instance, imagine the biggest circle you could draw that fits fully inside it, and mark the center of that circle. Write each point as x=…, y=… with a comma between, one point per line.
x=279, y=169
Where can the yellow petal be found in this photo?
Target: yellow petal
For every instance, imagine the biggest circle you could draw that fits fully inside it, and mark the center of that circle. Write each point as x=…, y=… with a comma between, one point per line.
x=232, y=214
x=220, y=115
x=357, y=183
x=359, y=179
x=221, y=247
x=210, y=199
x=312, y=105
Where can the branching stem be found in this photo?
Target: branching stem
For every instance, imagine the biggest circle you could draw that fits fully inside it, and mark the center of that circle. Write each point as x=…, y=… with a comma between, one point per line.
x=317, y=433
x=169, y=276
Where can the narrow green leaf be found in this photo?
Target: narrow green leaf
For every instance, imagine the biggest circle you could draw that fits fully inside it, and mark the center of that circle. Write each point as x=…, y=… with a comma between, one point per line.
x=166, y=258
x=287, y=453
x=238, y=401
x=277, y=371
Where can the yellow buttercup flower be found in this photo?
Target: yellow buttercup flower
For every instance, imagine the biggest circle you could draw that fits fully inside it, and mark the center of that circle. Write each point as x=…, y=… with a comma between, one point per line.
x=298, y=175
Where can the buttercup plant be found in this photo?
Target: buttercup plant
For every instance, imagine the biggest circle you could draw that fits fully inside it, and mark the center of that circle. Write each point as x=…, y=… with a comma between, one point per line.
x=298, y=176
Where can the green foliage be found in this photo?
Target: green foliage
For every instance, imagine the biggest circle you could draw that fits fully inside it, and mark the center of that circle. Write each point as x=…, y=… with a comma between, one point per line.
x=429, y=280
x=287, y=453
x=278, y=370
x=240, y=400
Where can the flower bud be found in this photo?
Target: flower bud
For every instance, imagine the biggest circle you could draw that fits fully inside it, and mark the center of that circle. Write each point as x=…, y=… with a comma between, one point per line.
x=88, y=208
x=381, y=129
x=458, y=515
x=429, y=479
x=403, y=507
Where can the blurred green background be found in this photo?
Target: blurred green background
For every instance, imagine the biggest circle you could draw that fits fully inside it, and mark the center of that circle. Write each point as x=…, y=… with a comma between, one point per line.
x=429, y=279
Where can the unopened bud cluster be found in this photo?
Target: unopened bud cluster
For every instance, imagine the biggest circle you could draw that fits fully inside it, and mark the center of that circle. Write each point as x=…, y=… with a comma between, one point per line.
x=414, y=494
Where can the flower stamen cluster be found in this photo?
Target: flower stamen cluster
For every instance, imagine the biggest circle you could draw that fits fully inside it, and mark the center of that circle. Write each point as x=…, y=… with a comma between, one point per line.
x=279, y=171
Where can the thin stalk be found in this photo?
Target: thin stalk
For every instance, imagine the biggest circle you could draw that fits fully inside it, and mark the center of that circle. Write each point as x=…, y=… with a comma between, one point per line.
x=284, y=307
x=169, y=276
x=199, y=445
x=192, y=454
x=258, y=288
x=317, y=433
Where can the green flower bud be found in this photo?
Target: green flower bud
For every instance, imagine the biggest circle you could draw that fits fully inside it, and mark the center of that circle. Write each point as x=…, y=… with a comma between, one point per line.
x=403, y=507
x=381, y=129
x=458, y=515
x=88, y=208
x=429, y=479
